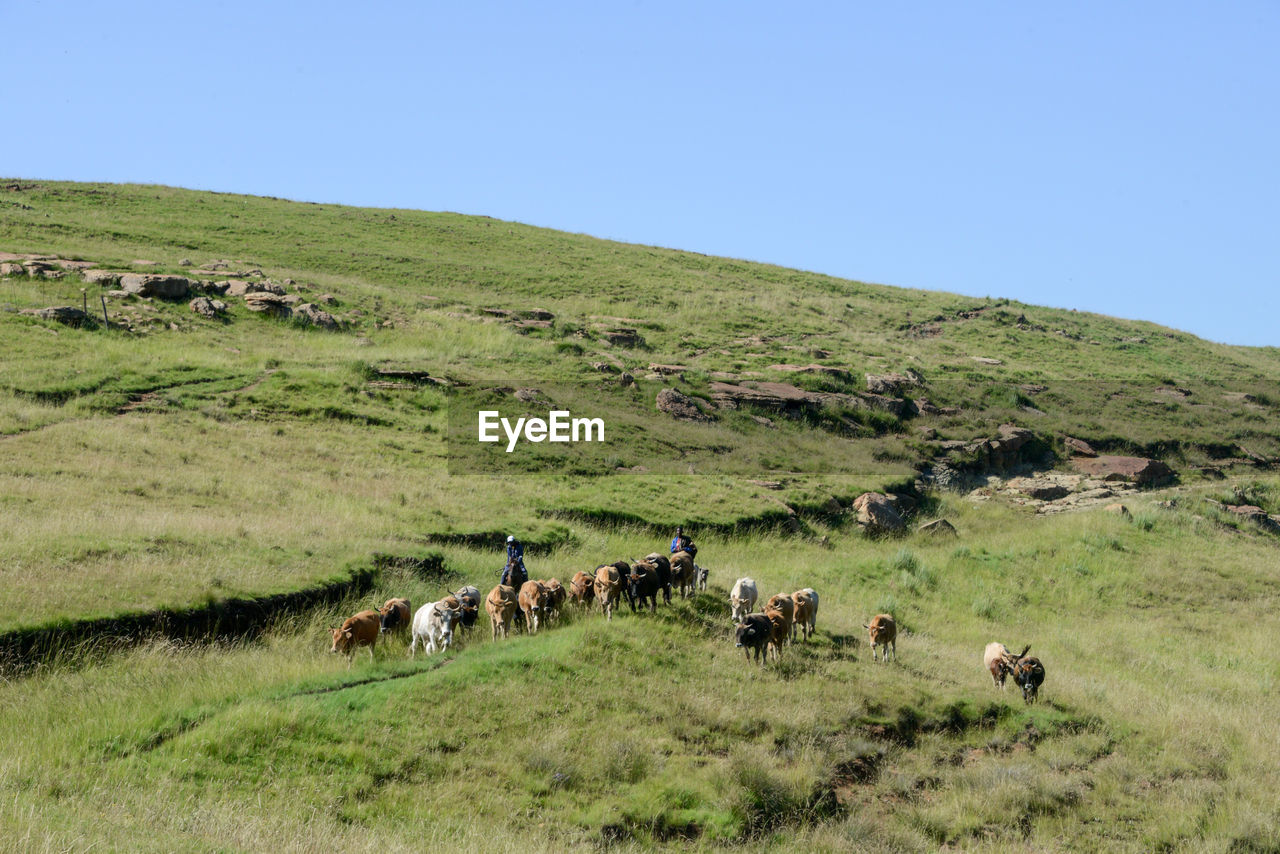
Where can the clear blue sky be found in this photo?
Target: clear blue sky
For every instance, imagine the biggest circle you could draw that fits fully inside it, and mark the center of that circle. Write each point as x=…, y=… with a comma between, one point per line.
x=1114, y=157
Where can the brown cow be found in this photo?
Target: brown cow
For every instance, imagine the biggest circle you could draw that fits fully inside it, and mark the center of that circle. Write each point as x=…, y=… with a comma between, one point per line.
x=395, y=615
x=533, y=603
x=779, y=633
x=501, y=606
x=883, y=631
x=360, y=630
x=555, y=597
x=806, y=612
x=1000, y=662
x=608, y=588
x=786, y=606
x=582, y=589
x=682, y=574
x=1028, y=673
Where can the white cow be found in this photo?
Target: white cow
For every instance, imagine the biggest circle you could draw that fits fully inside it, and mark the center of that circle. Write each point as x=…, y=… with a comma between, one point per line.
x=743, y=598
x=434, y=625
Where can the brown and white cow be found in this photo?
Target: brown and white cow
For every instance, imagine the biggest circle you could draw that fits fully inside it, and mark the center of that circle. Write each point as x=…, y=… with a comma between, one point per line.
x=999, y=662
x=786, y=606
x=806, y=616
x=533, y=602
x=608, y=585
x=883, y=632
x=683, y=574
x=501, y=607
x=361, y=630
x=395, y=615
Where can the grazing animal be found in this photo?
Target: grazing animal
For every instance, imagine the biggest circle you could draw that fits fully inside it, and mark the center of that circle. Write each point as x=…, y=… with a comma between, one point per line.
x=742, y=598
x=501, y=607
x=582, y=588
x=780, y=631
x=394, y=615
x=433, y=625
x=883, y=632
x=361, y=630
x=533, y=603
x=999, y=662
x=786, y=606
x=642, y=584
x=752, y=636
x=663, y=564
x=469, y=597
x=806, y=616
x=608, y=585
x=1028, y=674
x=682, y=573
x=555, y=596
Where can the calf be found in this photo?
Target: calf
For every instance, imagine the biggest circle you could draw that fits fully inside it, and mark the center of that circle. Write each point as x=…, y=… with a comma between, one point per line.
x=682, y=573
x=394, y=615
x=642, y=584
x=501, y=607
x=1028, y=674
x=779, y=633
x=361, y=630
x=608, y=586
x=786, y=606
x=752, y=635
x=883, y=631
x=582, y=589
x=999, y=662
x=806, y=601
x=433, y=625
x=663, y=565
x=742, y=598
x=533, y=603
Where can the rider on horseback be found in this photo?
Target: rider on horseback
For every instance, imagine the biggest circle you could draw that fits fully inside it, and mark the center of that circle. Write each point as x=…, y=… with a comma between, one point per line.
x=514, y=574
x=681, y=543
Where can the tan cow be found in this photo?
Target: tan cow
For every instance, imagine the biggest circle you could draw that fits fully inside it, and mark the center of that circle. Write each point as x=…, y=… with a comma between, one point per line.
x=555, y=597
x=779, y=631
x=501, y=607
x=582, y=588
x=360, y=630
x=533, y=603
x=608, y=586
x=883, y=631
x=786, y=606
x=683, y=574
x=806, y=616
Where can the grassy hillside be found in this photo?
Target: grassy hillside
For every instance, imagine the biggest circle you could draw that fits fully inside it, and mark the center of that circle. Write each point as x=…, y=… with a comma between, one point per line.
x=175, y=461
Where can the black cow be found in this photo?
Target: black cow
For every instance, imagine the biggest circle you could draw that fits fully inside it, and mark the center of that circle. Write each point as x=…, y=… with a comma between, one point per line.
x=663, y=565
x=642, y=584
x=754, y=633
x=1028, y=673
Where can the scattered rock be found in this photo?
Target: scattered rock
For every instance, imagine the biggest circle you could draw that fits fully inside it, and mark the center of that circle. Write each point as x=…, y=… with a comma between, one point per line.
x=623, y=337
x=526, y=326
x=105, y=278
x=315, y=316
x=327, y=299
x=9, y=268
x=604, y=368
x=1118, y=509
x=185, y=262
x=1138, y=470
x=626, y=380
x=983, y=360
x=669, y=370
x=268, y=303
x=1041, y=489
x=209, y=308
x=767, y=484
x=148, y=285
x=529, y=395
x=680, y=406
x=877, y=515
x=939, y=527
x=818, y=370
x=893, y=384
x=1079, y=447
x=64, y=314
x=788, y=399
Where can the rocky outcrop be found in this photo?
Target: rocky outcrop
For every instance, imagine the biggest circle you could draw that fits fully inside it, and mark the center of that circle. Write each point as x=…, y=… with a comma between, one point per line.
x=156, y=285
x=1136, y=470
x=816, y=370
x=1079, y=447
x=312, y=314
x=787, y=399
x=1039, y=488
x=938, y=528
x=268, y=303
x=105, y=278
x=877, y=516
x=680, y=406
x=623, y=337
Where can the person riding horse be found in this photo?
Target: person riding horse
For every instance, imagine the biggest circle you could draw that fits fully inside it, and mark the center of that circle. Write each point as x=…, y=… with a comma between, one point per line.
x=514, y=574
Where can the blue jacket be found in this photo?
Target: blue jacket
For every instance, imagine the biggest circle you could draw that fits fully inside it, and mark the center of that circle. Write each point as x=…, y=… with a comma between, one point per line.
x=515, y=552
x=676, y=544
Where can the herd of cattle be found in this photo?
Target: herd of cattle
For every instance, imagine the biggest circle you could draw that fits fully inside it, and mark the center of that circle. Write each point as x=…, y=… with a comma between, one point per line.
x=538, y=603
